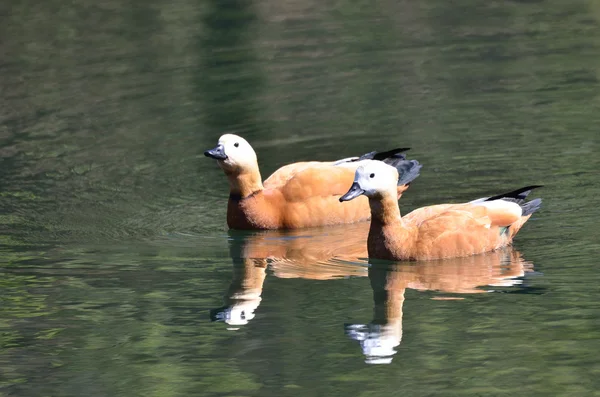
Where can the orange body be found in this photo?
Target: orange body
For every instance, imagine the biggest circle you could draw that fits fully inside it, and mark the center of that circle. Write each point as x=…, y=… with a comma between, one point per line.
x=296, y=196
x=441, y=231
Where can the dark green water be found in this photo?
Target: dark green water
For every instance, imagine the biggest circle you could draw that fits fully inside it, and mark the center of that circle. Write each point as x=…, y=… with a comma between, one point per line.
x=113, y=244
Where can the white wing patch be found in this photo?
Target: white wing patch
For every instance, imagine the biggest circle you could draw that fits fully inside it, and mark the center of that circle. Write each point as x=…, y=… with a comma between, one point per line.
x=477, y=201
x=346, y=160
x=501, y=205
x=351, y=164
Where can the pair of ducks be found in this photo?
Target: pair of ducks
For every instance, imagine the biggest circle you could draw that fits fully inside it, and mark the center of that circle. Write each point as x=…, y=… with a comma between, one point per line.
x=313, y=193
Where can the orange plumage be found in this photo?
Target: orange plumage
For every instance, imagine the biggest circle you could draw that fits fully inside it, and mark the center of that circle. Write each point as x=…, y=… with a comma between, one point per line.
x=442, y=231
x=297, y=195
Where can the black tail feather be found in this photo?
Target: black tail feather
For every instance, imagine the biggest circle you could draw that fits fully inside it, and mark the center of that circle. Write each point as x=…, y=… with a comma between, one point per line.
x=387, y=155
x=518, y=195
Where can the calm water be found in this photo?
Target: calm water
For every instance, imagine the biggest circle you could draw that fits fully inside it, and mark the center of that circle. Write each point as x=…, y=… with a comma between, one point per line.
x=114, y=253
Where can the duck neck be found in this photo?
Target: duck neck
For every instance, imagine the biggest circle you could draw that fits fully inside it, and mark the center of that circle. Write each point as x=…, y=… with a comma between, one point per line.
x=387, y=232
x=385, y=210
x=244, y=183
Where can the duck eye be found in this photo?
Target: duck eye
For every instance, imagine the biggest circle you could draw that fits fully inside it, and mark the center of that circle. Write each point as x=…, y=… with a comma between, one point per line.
x=236, y=144
x=372, y=176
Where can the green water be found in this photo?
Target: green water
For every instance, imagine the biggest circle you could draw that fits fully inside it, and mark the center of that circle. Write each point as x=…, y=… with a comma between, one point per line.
x=113, y=244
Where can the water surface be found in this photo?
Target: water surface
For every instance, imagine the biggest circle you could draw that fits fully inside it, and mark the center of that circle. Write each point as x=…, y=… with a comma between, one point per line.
x=115, y=256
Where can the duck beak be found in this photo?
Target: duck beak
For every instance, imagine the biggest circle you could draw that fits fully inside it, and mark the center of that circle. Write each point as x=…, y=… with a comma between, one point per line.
x=353, y=193
x=217, y=153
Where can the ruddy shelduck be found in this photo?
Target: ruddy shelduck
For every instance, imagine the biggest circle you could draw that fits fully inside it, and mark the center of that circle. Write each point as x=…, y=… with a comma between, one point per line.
x=439, y=231
x=298, y=195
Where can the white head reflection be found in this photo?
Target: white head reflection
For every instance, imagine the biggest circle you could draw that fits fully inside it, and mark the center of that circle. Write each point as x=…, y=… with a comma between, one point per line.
x=377, y=341
x=236, y=314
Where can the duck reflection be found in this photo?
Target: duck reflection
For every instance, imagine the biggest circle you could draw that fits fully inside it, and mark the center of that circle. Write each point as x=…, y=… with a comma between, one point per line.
x=243, y=296
x=379, y=338
x=315, y=254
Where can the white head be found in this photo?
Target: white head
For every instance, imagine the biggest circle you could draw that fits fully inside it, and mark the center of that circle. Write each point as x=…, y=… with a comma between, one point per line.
x=373, y=179
x=233, y=153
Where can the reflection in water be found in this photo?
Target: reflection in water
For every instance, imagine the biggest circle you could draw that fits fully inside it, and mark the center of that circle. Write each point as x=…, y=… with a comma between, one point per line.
x=316, y=254
x=459, y=275
x=330, y=253
x=105, y=106
x=243, y=295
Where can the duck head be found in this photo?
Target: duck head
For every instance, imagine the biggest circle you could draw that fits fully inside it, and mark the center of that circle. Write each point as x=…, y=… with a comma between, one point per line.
x=373, y=179
x=233, y=154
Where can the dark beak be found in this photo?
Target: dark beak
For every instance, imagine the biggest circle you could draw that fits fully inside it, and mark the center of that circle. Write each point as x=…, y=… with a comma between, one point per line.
x=217, y=153
x=353, y=193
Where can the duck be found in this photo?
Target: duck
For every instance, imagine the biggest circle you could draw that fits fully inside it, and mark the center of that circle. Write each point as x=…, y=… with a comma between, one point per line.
x=438, y=231
x=297, y=195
